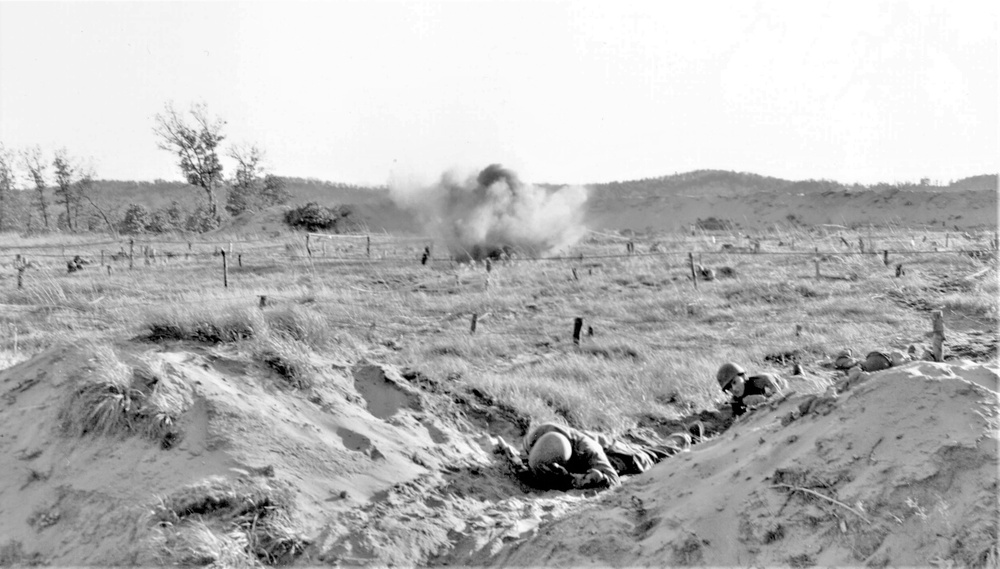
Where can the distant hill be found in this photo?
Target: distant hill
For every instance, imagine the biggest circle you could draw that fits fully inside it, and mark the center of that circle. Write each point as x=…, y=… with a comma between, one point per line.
x=160, y=193
x=722, y=182
x=741, y=199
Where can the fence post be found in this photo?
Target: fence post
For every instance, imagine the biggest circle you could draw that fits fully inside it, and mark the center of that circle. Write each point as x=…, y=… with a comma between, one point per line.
x=263, y=301
x=239, y=260
x=694, y=276
x=131, y=251
x=472, y=328
x=577, y=326
x=885, y=257
x=308, y=249
x=225, y=270
x=368, y=245
x=575, y=278
x=937, y=339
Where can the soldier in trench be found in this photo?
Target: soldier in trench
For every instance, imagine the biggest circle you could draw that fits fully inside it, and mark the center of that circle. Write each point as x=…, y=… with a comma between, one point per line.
x=747, y=392
x=563, y=458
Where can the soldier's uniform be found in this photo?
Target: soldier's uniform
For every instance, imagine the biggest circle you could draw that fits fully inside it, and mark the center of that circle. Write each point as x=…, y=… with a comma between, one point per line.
x=591, y=451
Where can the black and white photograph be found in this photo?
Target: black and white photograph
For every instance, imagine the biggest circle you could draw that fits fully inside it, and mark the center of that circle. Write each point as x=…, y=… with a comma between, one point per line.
x=499, y=283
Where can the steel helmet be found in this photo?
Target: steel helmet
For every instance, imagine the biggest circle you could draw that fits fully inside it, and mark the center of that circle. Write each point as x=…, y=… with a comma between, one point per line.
x=727, y=373
x=550, y=448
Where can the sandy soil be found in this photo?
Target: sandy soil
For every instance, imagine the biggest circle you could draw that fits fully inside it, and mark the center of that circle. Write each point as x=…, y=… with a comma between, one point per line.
x=390, y=467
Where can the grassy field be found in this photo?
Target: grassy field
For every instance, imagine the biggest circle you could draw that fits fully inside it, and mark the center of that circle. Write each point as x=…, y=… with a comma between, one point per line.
x=650, y=342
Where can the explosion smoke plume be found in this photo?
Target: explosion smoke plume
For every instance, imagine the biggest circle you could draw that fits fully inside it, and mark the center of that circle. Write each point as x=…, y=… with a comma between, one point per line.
x=494, y=212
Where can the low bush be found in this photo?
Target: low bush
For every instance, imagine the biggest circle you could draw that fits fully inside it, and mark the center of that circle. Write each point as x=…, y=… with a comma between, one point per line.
x=314, y=217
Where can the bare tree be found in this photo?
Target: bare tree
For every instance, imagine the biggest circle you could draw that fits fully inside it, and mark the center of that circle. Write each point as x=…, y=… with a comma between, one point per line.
x=64, y=189
x=196, y=146
x=84, y=187
x=6, y=186
x=35, y=163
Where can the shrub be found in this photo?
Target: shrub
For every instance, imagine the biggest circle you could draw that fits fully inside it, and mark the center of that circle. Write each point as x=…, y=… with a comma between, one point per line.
x=314, y=217
x=136, y=220
x=202, y=220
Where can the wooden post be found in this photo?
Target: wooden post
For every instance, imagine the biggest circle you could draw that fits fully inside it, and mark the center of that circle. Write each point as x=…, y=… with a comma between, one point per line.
x=472, y=328
x=861, y=244
x=937, y=337
x=239, y=260
x=694, y=276
x=368, y=245
x=131, y=251
x=577, y=326
x=225, y=270
x=885, y=257
x=20, y=276
x=308, y=249
x=263, y=301
x=575, y=278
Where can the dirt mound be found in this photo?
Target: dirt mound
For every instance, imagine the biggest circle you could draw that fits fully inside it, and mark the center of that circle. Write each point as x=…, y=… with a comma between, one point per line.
x=192, y=455
x=246, y=452
x=900, y=470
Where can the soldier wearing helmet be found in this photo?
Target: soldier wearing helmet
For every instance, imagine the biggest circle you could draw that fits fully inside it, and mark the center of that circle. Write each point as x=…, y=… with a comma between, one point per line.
x=746, y=392
x=563, y=457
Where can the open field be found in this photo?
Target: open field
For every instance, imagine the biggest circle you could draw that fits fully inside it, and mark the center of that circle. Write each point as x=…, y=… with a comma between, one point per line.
x=649, y=346
x=655, y=337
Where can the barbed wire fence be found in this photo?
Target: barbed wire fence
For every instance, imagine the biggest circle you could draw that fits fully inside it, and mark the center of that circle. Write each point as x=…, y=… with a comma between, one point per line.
x=401, y=252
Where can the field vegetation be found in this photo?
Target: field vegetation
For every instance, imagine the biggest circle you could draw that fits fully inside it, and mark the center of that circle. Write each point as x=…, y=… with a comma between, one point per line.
x=650, y=340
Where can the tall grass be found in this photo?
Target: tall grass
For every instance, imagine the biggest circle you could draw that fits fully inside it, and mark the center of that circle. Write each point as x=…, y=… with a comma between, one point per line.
x=114, y=398
x=656, y=339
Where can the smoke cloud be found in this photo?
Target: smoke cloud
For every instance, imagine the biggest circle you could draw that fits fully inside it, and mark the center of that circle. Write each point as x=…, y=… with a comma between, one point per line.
x=493, y=212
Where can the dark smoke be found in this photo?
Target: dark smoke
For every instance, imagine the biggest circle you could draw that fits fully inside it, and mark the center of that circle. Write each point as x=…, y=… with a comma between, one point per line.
x=494, y=213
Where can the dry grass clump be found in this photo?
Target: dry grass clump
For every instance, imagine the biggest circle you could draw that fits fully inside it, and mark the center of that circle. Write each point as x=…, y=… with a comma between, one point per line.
x=225, y=523
x=116, y=399
x=206, y=326
x=302, y=324
x=288, y=358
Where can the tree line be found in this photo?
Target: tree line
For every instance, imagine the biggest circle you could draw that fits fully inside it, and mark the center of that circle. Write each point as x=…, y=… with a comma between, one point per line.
x=39, y=195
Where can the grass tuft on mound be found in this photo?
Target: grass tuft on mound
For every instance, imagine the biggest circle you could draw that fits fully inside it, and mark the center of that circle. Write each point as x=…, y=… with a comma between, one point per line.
x=198, y=325
x=288, y=358
x=226, y=523
x=116, y=399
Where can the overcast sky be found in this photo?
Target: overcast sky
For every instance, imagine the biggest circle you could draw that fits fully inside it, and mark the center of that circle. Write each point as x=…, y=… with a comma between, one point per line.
x=563, y=91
